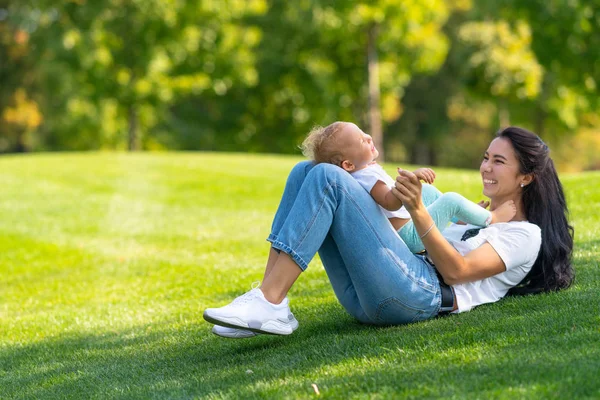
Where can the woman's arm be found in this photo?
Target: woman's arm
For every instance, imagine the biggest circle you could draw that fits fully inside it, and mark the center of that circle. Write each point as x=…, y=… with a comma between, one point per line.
x=480, y=263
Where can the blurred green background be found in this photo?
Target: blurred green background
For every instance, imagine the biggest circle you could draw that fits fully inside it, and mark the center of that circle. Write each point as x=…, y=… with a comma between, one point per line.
x=431, y=80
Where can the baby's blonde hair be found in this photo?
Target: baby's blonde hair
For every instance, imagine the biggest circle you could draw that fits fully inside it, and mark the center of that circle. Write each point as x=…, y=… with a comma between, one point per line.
x=320, y=144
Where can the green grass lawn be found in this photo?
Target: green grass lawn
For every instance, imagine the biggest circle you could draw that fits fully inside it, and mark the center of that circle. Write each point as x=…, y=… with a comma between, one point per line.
x=107, y=262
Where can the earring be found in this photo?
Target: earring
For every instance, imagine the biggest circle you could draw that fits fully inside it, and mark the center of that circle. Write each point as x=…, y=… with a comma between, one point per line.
x=522, y=185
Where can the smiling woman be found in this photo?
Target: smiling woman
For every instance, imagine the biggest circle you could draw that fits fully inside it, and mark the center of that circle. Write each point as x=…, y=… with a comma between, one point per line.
x=501, y=173
x=376, y=277
x=544, y=205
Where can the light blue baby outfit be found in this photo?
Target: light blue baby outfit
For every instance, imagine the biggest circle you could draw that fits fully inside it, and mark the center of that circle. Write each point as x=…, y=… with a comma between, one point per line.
x=443, y=207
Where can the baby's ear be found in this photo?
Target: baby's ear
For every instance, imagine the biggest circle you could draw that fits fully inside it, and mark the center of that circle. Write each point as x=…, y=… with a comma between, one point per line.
x=347, y=165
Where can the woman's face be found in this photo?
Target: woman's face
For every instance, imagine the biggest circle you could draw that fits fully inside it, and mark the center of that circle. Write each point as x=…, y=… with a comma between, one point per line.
x=500, y=172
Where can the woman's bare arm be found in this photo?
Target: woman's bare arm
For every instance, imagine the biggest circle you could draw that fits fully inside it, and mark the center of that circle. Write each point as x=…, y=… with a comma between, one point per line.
x=480, y=263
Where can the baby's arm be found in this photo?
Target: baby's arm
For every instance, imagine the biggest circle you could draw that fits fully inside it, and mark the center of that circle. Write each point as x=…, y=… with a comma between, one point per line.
x=425, y=174
x=383, y=196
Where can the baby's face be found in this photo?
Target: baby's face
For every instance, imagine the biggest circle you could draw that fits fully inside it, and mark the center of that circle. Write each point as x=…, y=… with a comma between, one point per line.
x=356, y=146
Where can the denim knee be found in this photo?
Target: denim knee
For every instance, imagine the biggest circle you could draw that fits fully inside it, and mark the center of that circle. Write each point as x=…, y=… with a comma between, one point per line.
x=330, y=171
x=301, y=168
x=298, y=174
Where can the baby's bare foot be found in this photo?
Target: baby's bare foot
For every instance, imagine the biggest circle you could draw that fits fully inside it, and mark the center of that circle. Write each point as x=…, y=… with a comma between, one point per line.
x=504, y=213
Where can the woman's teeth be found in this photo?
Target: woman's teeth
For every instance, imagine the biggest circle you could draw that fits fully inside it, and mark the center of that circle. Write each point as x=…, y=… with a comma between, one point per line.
x=489, y=181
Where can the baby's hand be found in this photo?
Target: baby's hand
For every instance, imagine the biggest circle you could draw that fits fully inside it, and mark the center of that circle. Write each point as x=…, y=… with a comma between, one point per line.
x=425, y=174
x=484, y=204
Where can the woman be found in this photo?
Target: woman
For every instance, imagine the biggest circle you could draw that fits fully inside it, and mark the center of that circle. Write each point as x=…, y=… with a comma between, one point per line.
x=374, y=275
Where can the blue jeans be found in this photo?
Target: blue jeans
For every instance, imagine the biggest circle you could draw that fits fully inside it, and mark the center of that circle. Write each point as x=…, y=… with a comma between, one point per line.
x=374, y=275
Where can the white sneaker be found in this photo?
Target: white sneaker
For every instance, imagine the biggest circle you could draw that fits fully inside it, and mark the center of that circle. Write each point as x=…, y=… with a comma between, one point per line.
x=251, y=311
x=236, y=333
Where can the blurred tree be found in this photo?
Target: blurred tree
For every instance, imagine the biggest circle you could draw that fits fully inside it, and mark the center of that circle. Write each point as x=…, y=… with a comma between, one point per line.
x=209, y=117
x=419, y=135
x=404, y=39
x=22, y=118
x=19, y=112
x=521, y=68
x=555, y=68
x=312, y=65
x=505, y=65
x=121, y=63
x=255, y=75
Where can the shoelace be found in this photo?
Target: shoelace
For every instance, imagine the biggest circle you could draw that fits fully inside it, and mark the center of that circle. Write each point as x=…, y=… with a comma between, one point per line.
x=249, y=296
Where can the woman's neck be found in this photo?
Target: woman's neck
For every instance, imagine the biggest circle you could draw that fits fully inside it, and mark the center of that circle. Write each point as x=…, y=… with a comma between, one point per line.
x=519, y=216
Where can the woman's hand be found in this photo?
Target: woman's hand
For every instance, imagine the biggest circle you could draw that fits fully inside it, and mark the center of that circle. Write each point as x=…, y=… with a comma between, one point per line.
x=408, y=190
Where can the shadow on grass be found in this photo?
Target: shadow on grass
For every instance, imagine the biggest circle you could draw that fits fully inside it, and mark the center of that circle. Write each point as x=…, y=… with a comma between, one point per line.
x=545, y=345
x=145, y=362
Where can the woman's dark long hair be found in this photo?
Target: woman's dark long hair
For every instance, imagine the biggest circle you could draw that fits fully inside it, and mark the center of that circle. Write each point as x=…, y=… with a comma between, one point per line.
x=545, y=205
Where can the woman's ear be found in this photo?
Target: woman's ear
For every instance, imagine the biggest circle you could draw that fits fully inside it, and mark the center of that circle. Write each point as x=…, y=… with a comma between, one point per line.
x=347, y=165
x=527, y=179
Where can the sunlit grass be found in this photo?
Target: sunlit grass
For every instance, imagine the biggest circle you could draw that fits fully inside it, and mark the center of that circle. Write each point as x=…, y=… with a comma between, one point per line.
x=108, y=260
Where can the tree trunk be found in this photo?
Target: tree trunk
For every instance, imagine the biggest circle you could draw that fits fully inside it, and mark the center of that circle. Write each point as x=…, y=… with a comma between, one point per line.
x=433, y=155
x=421, y=153
x=133, y=139
x=374, y=94
x=21, y=146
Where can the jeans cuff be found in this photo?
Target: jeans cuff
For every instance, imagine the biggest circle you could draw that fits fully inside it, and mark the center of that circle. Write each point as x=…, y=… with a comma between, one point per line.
x=277, y=245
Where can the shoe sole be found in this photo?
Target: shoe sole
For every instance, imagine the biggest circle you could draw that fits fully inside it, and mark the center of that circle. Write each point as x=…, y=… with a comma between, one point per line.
x=271, y=327
x=239, y=333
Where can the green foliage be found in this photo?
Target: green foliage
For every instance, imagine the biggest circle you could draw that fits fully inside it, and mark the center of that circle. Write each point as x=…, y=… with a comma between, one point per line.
x=505, y=57
x=311, y=65
x=19, y=113
x=119, y=64
x=256, y=75
x=565, y=44
x=108, y=260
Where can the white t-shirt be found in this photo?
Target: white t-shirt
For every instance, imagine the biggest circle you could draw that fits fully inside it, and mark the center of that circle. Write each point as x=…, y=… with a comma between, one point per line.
x=517, y=243
x=368, y=177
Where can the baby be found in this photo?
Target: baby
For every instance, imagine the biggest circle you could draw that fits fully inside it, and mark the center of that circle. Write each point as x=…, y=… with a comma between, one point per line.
x=344, y=144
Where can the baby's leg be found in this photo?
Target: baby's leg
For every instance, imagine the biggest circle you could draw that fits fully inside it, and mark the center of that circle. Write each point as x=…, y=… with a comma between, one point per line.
x=411, y=238
x=474, y=214
x=454, y=206
x=447, y=207
x=429, y=194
